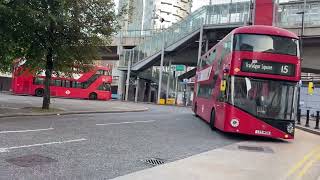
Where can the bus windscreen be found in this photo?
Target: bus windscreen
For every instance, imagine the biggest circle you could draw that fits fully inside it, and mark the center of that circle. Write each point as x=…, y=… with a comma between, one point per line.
x=266, y=44
x=263, y=98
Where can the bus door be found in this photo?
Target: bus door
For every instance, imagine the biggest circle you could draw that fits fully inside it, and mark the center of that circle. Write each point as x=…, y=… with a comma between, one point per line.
x=221, y=98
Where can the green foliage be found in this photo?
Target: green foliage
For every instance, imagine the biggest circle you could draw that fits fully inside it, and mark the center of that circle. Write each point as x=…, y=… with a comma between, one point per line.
x=72, y=29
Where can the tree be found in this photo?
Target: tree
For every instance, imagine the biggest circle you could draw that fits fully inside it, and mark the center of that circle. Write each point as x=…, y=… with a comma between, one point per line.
x=54, y=35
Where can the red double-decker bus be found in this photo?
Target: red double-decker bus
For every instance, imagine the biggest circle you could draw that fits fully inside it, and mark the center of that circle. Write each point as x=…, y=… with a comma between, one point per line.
x=248, y=82
x=93, y=85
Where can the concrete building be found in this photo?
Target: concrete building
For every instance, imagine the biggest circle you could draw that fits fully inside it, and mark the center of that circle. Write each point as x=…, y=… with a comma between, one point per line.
x=171, y=11
x=139, y=16
x=153, y=14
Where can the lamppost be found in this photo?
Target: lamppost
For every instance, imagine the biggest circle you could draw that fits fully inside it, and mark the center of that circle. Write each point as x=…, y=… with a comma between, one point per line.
x=301, y=53
x=161, y=60
x=301, y=31
x=302, y=25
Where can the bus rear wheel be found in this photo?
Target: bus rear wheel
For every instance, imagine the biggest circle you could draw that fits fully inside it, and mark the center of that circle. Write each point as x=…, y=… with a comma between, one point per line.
x=93, y=96
x=212, y=119
x=39, y=92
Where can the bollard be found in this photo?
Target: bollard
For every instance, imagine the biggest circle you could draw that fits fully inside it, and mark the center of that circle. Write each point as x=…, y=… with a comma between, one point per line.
x=299, y=116
x=308, y=116
x=317, y=121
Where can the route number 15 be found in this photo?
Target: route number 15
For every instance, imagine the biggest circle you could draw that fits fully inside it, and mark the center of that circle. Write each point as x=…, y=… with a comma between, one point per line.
x=284, y=69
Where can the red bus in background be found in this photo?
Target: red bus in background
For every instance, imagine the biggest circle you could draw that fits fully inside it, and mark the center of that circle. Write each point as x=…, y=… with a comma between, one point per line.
x=248, y=82
x=93, y=85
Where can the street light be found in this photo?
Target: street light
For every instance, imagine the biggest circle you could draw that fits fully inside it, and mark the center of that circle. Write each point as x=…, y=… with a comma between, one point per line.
x=302, y=26
x=301, y=52
x=301, y=31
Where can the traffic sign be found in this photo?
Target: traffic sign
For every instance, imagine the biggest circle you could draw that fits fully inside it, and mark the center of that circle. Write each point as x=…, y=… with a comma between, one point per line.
x=179, y=67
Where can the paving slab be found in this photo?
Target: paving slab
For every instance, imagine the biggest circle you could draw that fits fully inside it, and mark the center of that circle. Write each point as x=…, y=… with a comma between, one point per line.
x=311, y=127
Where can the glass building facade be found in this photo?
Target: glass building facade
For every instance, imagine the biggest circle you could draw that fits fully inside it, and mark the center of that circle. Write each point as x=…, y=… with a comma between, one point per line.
x=144, y=15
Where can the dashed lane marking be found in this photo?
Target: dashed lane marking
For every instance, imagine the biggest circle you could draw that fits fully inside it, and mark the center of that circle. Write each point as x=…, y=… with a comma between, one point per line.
x=131, y=122
x=23, y=131
x=7, y=149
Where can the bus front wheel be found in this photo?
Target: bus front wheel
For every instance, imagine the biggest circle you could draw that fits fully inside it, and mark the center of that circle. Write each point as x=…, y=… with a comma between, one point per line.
x=39, y=92
x=93, y=96
x=212, y=119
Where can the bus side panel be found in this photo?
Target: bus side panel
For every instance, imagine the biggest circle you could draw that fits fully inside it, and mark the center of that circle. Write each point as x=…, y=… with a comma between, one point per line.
x=203, y=108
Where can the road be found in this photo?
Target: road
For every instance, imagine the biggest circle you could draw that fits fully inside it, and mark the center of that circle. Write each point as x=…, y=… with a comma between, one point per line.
x=109, y=145
x=104, y=146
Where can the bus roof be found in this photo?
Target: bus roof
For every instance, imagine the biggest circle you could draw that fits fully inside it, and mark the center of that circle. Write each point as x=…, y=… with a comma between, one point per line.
x=261, y=29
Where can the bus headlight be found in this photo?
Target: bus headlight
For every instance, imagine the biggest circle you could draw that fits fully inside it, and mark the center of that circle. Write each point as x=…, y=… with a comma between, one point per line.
x=234, y=123
x=290, y=128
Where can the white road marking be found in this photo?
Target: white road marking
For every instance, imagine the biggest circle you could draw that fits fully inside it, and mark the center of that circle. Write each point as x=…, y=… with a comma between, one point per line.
x=42, y=144
x=29, y=130
x=10, y=108
x=132, y=122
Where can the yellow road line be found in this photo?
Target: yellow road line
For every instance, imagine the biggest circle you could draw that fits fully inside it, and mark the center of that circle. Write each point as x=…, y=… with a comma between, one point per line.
x=308, y=166
x=302, y=161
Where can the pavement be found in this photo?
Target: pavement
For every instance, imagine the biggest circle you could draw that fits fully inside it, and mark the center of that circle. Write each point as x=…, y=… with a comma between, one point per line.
x=311, y=128
x=12, y=105
x=298, y=159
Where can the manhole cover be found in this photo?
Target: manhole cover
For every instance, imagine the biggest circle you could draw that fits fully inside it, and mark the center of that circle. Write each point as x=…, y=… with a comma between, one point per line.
x=153, y=161
x=251, y=148
x=30, y=160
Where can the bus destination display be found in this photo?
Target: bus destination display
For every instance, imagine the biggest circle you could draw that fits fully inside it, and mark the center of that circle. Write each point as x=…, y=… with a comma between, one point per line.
x=266, y=67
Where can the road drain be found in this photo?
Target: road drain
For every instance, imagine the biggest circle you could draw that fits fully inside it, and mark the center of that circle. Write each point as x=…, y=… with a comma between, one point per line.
x=153, y=161
x=251, y=148
x=30, y=160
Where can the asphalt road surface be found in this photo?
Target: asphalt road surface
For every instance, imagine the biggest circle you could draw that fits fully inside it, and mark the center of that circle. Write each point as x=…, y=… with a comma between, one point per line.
x=102, y=146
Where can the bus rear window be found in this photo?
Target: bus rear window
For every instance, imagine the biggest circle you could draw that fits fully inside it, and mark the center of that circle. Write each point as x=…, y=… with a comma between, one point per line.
x=266, y=44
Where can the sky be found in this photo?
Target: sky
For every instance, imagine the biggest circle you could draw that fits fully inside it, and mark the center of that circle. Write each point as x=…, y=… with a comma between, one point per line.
x=198, y=3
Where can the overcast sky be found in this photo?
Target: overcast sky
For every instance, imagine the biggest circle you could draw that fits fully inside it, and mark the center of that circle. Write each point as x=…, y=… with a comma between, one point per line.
x=198, y=3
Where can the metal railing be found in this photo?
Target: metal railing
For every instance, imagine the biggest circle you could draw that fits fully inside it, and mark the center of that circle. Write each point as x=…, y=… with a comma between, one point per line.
x=288, y=14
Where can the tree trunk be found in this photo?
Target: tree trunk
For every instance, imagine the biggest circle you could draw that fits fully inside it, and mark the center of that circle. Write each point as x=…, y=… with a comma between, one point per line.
x=49, y=58
x=49, y=68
